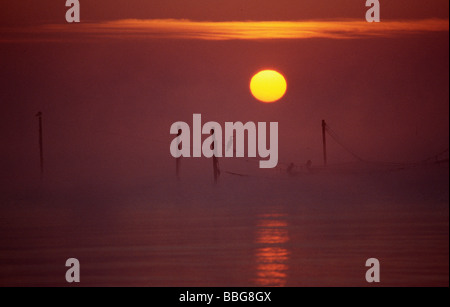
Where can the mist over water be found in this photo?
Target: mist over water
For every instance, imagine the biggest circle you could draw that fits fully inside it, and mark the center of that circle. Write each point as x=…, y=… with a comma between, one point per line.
x=279, y=230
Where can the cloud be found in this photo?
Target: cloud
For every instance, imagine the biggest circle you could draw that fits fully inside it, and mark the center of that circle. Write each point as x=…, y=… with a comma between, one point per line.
x=232, y=30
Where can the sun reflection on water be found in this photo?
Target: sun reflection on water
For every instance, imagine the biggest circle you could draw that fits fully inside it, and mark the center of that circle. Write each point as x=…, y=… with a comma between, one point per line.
x=272, y=255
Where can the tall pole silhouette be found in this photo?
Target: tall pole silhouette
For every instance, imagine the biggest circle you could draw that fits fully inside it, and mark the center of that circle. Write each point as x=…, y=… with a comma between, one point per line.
x=215, y=161
x=178, y=160
x=324, y=138
x=41, y=144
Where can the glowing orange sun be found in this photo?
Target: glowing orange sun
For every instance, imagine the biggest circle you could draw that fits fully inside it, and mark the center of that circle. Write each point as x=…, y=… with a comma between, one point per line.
x=268, y=86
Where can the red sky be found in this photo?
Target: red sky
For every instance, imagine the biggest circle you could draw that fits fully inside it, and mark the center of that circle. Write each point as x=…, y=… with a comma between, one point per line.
x=109, y=103
x=49, y=11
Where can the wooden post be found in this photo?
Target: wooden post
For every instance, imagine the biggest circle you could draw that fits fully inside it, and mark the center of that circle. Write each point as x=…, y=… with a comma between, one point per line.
x=324, y=137
x=215, y=162
x=178, y=160
x=41, y=144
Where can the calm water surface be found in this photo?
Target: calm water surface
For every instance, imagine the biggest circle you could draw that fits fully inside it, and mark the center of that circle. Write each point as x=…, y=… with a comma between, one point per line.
x=305, y=231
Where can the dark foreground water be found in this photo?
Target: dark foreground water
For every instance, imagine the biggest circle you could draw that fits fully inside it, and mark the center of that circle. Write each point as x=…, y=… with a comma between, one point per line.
x=309, y=230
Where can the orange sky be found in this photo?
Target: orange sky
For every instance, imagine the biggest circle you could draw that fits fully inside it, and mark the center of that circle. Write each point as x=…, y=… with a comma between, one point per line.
x=109, y=103
x=49, y=11
x=230, y=30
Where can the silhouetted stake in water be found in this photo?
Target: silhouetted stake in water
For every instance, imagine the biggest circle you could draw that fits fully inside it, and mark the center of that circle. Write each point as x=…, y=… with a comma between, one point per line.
x=178, y=160
x=324, y=137
x=41, y=144
x=215, y=161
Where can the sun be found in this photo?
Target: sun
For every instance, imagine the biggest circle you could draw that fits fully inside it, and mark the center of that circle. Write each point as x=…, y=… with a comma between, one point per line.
x=268, y=86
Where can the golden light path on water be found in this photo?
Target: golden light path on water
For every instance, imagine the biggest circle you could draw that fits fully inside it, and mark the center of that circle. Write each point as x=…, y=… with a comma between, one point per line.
x=272, y=256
